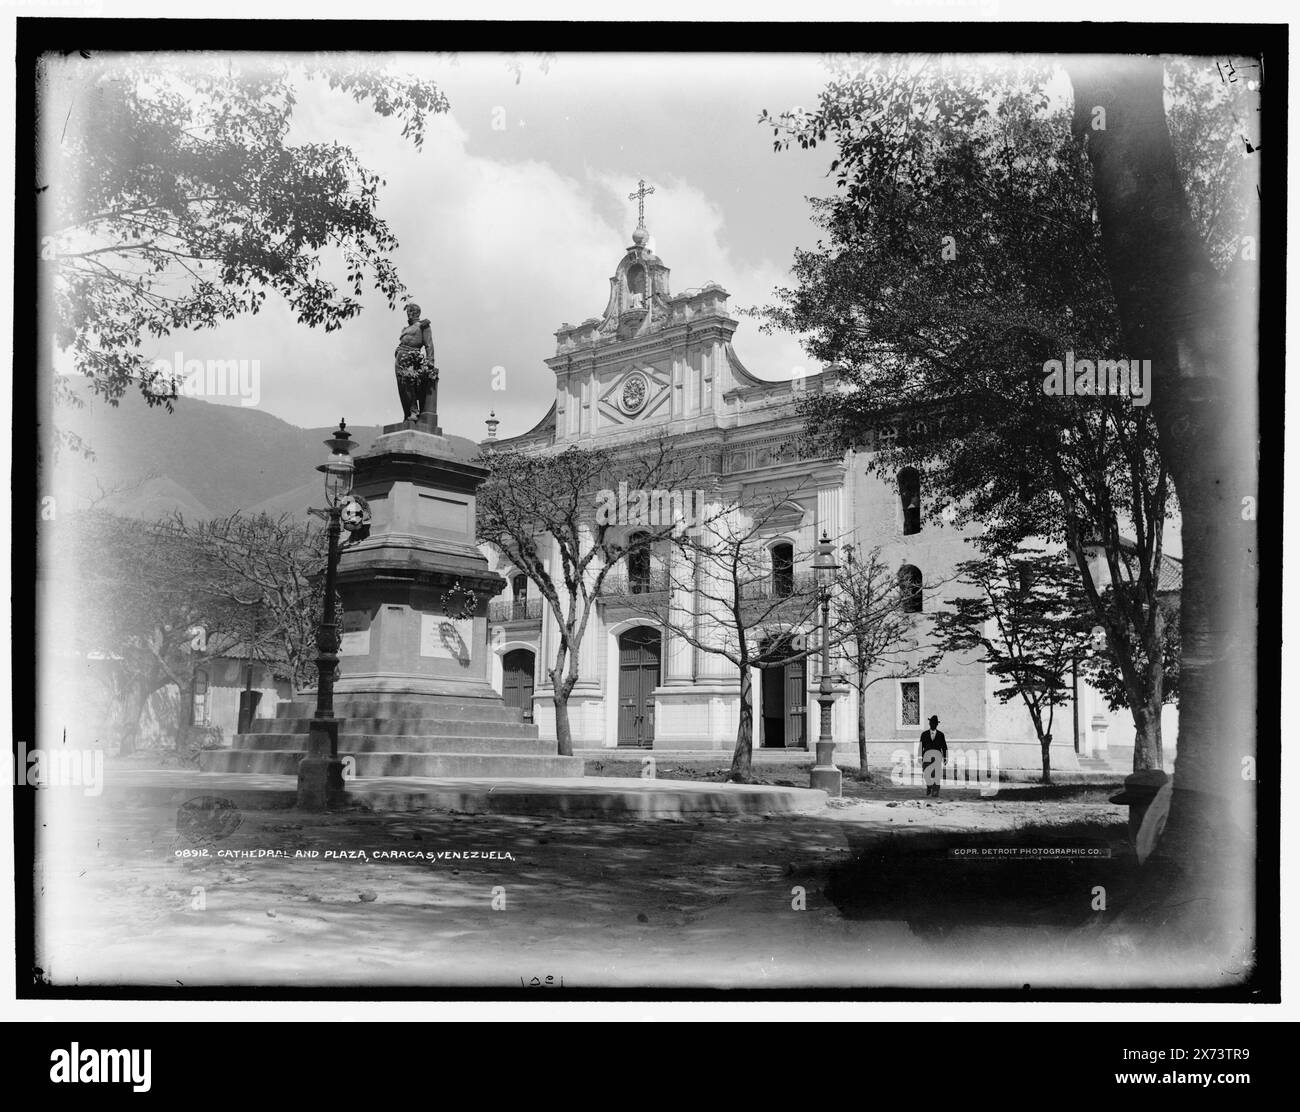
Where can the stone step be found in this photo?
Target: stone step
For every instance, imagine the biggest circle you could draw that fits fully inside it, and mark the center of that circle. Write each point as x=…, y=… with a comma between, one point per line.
x=426, y=727
x=406, y=743
x=406, y=706
x=285, y=762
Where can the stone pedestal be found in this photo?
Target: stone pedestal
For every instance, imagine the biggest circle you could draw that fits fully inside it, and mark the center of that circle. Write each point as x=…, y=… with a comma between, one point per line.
x=414, y=696
x=398, y=637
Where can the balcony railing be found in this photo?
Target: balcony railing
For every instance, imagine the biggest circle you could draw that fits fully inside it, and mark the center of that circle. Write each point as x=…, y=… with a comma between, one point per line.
x=515, y=610
x=619, y=588
x=775, y=587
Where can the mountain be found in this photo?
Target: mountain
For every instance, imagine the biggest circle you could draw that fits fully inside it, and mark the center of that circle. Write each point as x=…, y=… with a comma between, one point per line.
x=202, y=459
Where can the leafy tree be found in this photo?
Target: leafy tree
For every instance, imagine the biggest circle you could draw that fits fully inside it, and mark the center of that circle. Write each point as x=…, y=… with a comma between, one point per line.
x=540, y=512
x=1027, y=623
x=1107, y=674
x=1196, y=315
x=963, y=253
x=878, y=634
x=273, y=565
x=145, y=604
x=170, y=198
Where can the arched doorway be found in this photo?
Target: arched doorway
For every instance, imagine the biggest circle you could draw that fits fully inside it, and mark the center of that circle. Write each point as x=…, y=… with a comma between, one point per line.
x=517, y=681
x=638, y=676
x=784, y=712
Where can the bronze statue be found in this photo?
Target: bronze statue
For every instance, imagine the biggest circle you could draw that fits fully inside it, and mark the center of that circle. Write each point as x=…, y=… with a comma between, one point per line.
x=417, y=377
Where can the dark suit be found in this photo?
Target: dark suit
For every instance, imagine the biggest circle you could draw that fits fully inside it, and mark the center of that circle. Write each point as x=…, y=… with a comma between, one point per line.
x=930, y=744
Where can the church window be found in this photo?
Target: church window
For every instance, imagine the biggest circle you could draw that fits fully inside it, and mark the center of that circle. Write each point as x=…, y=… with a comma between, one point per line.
x=909, y=588
x=782, y=570
x=638, y=564
x=909, y=494
x=909, y=699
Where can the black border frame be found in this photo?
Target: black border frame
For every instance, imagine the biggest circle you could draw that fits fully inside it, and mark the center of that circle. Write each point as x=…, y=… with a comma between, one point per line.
x=36, y=36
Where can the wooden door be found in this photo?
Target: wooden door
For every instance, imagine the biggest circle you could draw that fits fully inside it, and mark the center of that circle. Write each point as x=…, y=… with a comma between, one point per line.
x=796, y=712
x=517, y=681
x=638, y=676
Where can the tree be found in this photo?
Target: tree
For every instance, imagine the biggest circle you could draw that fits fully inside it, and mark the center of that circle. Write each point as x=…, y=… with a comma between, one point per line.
x=727, y=593
x=1108, y=676
x=879, y=635
x=1027, y=622
x=1197, y=319
x=965, y=253
x=543, y=513
x=145, y=604
x=273, y=565
x=170, y=198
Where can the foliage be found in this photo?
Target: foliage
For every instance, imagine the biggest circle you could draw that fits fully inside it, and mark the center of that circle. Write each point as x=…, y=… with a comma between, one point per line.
x=272, y=567
x=1027, y=621
x=171, y=198
x=961, y=254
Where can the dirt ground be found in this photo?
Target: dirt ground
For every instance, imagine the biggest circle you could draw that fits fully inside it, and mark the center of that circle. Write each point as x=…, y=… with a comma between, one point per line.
x=867, y=892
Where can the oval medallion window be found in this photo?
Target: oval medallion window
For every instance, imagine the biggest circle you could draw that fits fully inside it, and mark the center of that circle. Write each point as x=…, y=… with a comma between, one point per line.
x=636, y=389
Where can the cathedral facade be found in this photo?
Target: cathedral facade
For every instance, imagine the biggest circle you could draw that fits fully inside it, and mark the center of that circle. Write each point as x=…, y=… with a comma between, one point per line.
x=655, y=363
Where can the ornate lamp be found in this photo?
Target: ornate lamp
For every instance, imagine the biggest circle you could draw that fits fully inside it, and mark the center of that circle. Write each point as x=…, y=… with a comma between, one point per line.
x=320, y=772
x=824, y=774
x=824, y=567
x=339, y=468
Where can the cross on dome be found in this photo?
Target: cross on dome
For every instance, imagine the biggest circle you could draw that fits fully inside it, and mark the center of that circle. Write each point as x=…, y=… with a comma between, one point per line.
x=639, y=195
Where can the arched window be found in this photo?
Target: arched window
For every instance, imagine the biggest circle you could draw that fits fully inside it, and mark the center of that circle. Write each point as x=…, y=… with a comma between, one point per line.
x=782, y=570
x=519, y=596
x=909, y=588
x=638, y=564
x=909, y=494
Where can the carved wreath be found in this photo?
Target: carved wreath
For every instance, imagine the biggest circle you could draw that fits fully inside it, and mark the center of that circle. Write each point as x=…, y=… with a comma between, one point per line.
x=459, y=603
x=414, y=368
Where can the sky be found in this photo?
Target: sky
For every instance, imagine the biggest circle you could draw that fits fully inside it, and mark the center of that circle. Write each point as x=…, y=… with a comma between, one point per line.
x=515, y=214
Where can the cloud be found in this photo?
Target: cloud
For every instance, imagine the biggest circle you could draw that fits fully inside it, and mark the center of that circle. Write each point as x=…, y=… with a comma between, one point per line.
x=499, y=252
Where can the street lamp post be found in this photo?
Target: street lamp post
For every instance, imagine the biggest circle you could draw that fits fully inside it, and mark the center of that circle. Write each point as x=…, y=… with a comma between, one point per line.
x=824, y=774
x=320, y=772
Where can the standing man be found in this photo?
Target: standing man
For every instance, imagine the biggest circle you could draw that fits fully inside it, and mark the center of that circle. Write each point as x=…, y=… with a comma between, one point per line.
x=934, y=755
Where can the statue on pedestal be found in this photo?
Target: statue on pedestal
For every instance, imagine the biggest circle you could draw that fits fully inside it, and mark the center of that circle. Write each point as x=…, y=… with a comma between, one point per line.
x=417, y=377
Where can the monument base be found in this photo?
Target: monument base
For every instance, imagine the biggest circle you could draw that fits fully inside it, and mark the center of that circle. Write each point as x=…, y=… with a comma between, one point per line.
x=394, y=735
x=426, y=422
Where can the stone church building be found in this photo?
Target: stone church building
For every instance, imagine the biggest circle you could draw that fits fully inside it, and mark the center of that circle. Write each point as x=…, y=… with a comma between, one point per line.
x=663, y=363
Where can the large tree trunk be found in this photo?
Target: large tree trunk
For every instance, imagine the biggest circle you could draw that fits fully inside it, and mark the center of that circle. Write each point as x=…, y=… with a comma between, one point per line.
x=1148, y=748
x=562, y=685
x=563, y=735
x=1200, y=333
x=742, y=758
x=862, y=724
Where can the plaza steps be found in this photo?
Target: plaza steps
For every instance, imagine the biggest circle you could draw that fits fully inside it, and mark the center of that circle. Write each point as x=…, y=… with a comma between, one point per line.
x=402, y=737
